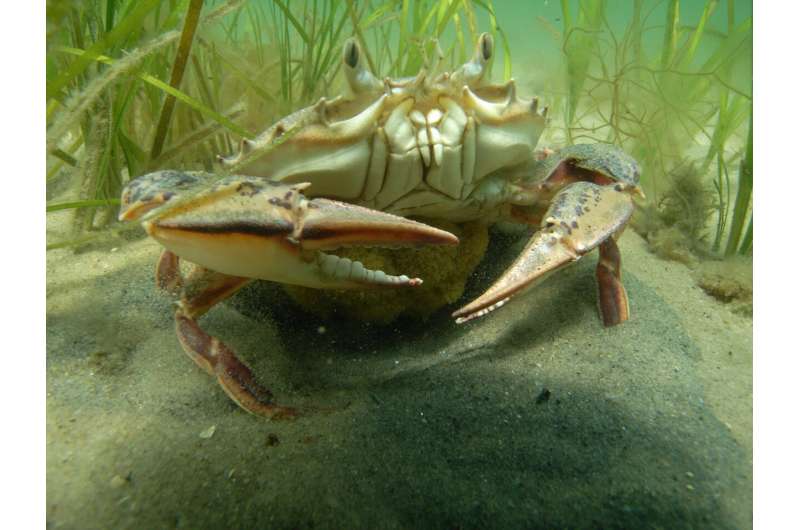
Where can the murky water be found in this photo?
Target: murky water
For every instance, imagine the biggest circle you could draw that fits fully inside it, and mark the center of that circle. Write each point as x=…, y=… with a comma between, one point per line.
x=532, y=415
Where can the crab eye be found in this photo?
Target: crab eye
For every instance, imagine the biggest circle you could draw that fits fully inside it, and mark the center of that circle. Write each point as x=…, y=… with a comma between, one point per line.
x=487, y=46
x=351, y=53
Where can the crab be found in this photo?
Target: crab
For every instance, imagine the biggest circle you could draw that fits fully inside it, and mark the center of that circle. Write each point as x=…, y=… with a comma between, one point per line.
x=352, y=171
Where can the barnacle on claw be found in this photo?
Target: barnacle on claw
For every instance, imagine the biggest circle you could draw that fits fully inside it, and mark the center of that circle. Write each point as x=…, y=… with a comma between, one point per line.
x=255, y=228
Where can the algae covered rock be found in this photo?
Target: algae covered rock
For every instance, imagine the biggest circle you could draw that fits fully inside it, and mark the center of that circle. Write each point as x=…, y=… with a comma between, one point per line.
x=444, y=270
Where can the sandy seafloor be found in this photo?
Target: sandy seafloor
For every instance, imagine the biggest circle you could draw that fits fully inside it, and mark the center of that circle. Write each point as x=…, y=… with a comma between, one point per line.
x=428, y=425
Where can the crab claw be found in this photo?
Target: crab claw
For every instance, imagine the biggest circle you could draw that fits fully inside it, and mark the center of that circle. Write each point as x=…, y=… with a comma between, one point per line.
x=255, y=228
x=582, y=216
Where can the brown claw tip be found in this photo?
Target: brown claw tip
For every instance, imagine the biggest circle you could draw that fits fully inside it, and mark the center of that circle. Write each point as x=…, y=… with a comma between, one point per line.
x=131, y=212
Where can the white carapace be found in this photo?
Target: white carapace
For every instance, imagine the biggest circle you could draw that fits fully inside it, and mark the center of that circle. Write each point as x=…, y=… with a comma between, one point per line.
x=446, y=146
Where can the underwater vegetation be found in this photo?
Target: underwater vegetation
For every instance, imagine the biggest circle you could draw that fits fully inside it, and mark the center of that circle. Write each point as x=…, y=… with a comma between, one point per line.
x=676, y=226
x=135, y=86
x=687, y=93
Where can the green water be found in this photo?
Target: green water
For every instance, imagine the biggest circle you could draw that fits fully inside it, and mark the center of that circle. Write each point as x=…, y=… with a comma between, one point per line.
x=533, y=416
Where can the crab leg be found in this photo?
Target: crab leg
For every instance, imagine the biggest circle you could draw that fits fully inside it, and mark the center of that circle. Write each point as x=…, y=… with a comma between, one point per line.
x=234, y=377
x=168, y=273
x=612, y=298
x=582, y=216
x=204, y=290
x=214, y=356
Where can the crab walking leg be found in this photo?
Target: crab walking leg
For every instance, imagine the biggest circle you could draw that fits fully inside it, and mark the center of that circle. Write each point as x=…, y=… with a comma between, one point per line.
x=581, y=217
x=168, y=273
x=207, y=289
x=234, y=377
x=612, y=298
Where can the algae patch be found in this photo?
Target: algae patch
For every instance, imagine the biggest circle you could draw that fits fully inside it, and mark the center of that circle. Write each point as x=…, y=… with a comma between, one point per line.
x=107, y=362
x=676, y=227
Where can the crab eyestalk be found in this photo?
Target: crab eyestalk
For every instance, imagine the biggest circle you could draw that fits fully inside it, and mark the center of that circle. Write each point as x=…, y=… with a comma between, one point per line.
x=359, y=76
x=471, y=73
x=255, y=228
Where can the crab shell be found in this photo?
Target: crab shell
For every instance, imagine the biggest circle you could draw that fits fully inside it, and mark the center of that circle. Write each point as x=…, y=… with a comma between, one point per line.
x=442, y=147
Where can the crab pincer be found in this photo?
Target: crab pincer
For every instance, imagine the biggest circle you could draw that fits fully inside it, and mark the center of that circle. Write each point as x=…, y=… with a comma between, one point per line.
x=593, y=204
x=237, y=229
x=255, y=228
